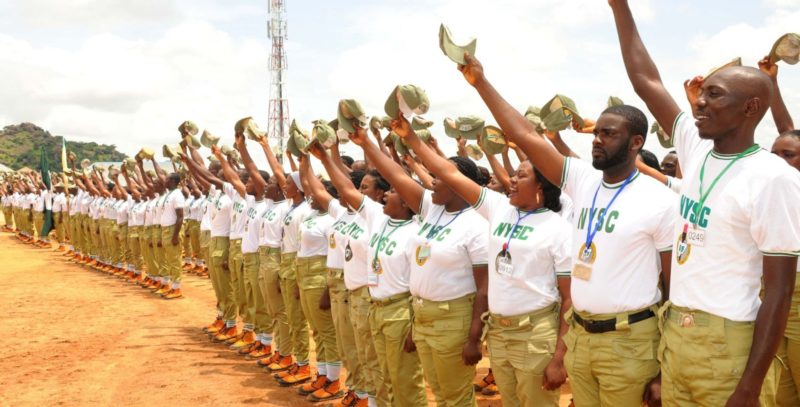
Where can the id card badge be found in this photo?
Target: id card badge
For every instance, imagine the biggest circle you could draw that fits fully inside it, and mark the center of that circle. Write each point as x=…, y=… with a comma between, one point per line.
x=582, y=271
x=696, y=237
x=372, y=279
x=503, y=264
x=425, y=251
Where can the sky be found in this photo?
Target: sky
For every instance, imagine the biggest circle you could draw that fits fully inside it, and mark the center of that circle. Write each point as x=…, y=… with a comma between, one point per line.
x=129, y=72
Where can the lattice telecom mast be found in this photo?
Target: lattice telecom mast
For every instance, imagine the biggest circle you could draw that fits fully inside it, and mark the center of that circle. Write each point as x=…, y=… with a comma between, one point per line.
x=278, y=104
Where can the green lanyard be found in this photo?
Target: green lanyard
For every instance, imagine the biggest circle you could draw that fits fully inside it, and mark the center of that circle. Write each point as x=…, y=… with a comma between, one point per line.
x=380, y=238
x=703, y=196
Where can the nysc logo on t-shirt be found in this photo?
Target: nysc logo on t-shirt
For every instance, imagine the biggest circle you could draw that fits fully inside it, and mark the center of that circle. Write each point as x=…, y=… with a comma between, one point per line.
x=609, y=221
x=353, y=230
x=238, y=207
x=384, y=246
x=270, y=215
x=438, y=233
x=520, y=233
x=689, y=208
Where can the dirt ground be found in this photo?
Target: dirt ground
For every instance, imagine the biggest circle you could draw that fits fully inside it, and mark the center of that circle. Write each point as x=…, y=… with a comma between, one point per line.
x=79, y=337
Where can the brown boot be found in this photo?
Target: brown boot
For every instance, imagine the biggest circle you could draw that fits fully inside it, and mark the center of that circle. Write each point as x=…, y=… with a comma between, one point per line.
x=331, y=390
x=226, y=334
x=310, y=387
x=215, y=326
x=247, y=339
x=301, y=375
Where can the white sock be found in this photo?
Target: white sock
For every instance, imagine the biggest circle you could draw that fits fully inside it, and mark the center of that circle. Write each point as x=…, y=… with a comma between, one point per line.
x=372, y=402
x=266, y=339
x=322, y=369
x=333, y=370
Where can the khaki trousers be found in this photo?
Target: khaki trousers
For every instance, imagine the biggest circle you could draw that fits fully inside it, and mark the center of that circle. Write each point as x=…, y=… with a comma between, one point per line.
x=236, y=267
x=145, y=240
x=298, y=326
x=124, y=250
x=441, y=329
x=345, y=337
x=253, y=298
x=703, y=357
x=195, y=249
x=372, y=378
x=38, y=222
x=8, y=216
x=520, y=347
x=158, y=252
x=220, y=252
x=172, y=254
x=205, y=243
x=274, y=320
x=312, y=279
x=789, y=353
x=186, y=242
x=135, y=247
x=611, y=368
x=390, y=323
x=61, y=219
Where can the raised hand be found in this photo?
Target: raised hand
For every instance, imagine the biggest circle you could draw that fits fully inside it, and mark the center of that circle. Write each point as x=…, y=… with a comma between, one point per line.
x=359, y=136
x=473, y=70
x=401, y=126
x=768, y=67
x=692, y=88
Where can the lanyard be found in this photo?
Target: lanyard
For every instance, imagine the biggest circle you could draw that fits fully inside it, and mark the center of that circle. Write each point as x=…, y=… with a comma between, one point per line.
x=433, y=230
x=704, y=196
x=380, y=239
x=590, y=231
x=507, y=244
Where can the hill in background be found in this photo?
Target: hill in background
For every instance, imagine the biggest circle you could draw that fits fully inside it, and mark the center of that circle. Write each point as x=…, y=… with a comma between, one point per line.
x=20, y=146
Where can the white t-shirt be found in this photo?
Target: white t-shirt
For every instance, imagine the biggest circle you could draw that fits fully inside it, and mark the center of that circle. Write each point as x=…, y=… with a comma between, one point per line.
x=291, y=226
x=272, y=224
x=97, y=207
x=40, y=200
x=625, y=272
x=240, y=205
x=388, y=243
x=351, y=238
x=136, y=216
x=752, y=212
x=314, y=232
x=122, y=210
x=59, y=203
x=252, y=227
x=540, y=248
x=187, y=207
x=221, y=215
x=674, y=184
x=196, y=208
x=109, y=209
x=456, y=243
x=208, y=204
x=336, y=241
x=158, y=210
x=171, y=203
x=149, y=211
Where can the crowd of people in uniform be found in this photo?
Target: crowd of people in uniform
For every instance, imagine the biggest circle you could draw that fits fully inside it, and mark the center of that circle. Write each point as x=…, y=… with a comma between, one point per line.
x=667, y=284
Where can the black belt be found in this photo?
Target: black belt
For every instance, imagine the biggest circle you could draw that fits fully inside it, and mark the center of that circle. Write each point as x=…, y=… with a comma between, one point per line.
x=608, y=325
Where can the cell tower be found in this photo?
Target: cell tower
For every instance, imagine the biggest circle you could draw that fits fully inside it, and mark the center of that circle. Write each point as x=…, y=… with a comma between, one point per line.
x=278, y=104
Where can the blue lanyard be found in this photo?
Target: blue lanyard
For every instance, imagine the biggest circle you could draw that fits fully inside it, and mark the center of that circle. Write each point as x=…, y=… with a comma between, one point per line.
x=433, y=231
x=591, y=232
x=520, y=219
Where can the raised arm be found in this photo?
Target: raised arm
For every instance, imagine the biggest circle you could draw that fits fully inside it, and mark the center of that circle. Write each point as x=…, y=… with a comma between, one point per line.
x=642, y=71
x=292, y=165
x=311, y=183
x=161, y=174
x=230, y=174
x=424, y=176
x=498, y=170
x=337, y=159
x=409, y=190
x=441, y=167
x=258, y=182
x=277, y=168
x=341, y=181
x=783, y=120
x=516, y=127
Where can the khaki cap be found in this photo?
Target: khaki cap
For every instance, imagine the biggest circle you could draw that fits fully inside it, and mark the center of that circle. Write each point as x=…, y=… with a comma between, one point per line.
x=100, y=167
x=323, y=134
x=493, y=139
x=85, y=163
x=533, y=114
x=191, y=140
x=659, y=131
x=407, y=99
x=169, y=151
x=249, y=129
x=420, y=123
x=298, y=140
x=559, y=112
x=615, y=101
x=786, y=49
x=474, y=152
x=147, y=153
x=188, y=128
x=453, y=51
x=467, y=127
x=208, y=139
x=734, y=62
x=349, y=114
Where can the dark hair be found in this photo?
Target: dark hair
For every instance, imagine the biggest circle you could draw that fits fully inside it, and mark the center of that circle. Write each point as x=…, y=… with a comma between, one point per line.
x=264, y=175
x=356, y=176
x=380, y=182
x=330, y=189
x=110, y=186
x=790, y=133
x=486, y=176
x=672, y=152
x=552, y=193
x=467, y=167
x=635, y=120
x=347, y=160
x=174, y=176
x=650, y=159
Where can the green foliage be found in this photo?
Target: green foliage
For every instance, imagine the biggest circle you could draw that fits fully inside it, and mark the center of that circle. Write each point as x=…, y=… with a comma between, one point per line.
x=20, y=147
